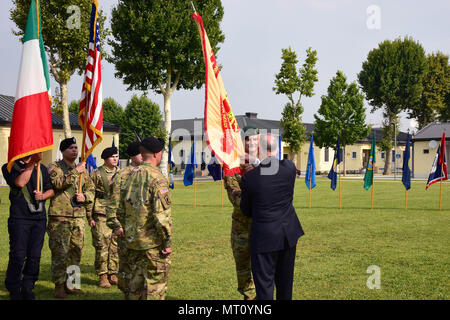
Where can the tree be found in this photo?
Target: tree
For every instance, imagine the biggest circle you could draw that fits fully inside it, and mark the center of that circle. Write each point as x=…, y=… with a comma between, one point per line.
x=292, y=83
x=66, y=39
x=112, y=111
x=156, y=47
x=143, y=117
x=445, y=112
x=342, y=113
x=436, y=85
x=391, y=79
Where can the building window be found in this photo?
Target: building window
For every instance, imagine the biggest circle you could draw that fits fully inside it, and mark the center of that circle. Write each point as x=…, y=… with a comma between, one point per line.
x=285, y=156
x=354, y=155
x=383, y=155
x=426, y=151
x=181, y=153
x=327, y=154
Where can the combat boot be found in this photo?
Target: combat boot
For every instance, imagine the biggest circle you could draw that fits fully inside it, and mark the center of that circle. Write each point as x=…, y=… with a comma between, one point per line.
x=60, y=293
x=113, y=279
x=103, y=282
x=72, y=291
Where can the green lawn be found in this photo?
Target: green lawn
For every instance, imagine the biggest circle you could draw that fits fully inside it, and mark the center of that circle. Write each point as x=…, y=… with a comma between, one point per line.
x=410, y=247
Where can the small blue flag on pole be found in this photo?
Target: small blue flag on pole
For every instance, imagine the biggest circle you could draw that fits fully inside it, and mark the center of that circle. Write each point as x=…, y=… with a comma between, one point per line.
x=189, y=173
x=113, y=144
x=332, y=175
x=90, y=161
x=406, y=174
x=310, y=178
x=280, y=151
x=171, y=165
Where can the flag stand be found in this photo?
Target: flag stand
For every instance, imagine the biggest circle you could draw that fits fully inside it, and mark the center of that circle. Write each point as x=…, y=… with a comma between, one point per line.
x=310, y=179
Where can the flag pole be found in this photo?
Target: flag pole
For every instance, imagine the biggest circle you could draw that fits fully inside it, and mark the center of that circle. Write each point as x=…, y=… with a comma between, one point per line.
x=221, y=185
x=440, y=188
x=310, y=179
x=38, y=176
x=340, y=200
x=406, y=199
x=195, y=191
x=373, y=185
x=83, y=143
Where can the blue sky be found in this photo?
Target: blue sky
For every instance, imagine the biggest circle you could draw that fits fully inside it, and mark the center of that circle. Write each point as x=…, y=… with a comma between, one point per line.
x=256, y=31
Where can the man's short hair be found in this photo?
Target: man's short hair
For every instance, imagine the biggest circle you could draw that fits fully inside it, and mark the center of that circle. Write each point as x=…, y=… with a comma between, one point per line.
x=268, y=143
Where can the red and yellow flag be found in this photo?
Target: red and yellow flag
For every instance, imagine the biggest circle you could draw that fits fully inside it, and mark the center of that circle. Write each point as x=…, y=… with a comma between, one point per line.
x=221, y=127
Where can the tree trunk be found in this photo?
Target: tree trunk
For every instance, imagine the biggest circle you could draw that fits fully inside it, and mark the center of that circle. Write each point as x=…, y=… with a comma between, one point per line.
x=65, y=110
x=168, y=128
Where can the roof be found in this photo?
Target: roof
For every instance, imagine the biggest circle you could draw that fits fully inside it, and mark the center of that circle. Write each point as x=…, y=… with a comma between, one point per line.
x=250, y=119
x=433, y=131
x=7, y=107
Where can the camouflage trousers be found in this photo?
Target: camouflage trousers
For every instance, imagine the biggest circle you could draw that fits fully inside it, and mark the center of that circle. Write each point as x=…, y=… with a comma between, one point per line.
x=124, y=273
x=240, y=244
x=105, y=244
x=66, y=241
x=149, y=274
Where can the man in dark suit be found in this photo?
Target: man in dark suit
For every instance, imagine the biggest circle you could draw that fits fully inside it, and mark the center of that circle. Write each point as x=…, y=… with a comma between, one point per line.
x=267, y=193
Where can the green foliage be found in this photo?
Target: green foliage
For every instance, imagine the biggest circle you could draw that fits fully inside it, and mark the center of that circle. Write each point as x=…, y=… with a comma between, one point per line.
x=156, y=43
x=445, y=112
x=436, y=85
x=342, y=112
x=143, y=117
x=290, y=82
x=391, y=79
x=74, y=106
x=66, y=47
x=113, y=112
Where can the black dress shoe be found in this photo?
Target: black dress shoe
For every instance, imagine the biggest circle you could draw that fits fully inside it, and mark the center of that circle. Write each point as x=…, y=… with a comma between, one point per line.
x=27, y=294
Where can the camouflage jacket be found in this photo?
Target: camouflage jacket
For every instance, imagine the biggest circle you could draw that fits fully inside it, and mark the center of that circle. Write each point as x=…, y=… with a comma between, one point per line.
x=233, y=186
x=65, y=182
x=101, y=195
x=115, y=215
x=145, y=200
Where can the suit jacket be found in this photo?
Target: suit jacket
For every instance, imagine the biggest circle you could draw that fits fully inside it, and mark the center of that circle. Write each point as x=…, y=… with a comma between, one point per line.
x=267, y=199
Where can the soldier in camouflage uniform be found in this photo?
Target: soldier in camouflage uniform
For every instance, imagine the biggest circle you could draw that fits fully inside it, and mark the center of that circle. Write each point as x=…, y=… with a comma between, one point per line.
x=147, y=224
x=240, y=225
x=66, y=214
x=116, y=216
x=104, y=241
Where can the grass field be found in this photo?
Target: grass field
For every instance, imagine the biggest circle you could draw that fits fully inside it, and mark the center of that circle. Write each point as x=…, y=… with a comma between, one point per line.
x=410, y=247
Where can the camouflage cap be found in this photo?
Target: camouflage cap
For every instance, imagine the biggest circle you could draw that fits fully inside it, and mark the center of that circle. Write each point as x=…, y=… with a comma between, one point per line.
x=250, y=131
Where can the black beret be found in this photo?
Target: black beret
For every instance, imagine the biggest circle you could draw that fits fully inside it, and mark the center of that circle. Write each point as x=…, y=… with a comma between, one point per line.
x=109, y=152
x=153, y=144
x=133, y=149
x=66, y=143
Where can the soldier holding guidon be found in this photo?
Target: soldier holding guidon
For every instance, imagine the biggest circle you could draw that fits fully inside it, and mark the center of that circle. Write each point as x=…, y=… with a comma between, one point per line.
x=67, y=211
x=103, y=240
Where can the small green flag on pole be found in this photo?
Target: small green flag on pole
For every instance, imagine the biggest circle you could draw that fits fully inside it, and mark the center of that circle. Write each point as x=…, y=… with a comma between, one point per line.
x=368, y=177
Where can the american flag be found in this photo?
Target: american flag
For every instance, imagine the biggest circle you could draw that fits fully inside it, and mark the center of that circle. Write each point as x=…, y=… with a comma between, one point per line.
x=90, y=114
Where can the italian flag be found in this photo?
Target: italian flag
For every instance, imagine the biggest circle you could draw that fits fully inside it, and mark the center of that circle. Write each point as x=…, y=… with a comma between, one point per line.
x=31, y=126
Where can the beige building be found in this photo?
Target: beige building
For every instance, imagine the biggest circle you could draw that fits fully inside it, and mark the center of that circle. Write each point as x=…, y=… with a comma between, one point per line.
x=110, y=132
x=355, y=155
x=425, y=144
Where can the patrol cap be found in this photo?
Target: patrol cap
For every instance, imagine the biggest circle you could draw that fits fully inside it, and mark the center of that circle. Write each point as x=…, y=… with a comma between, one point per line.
x=250, y=131
x=109, y=152
x=153, y=144
x=66, y=143
x=133, y=149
